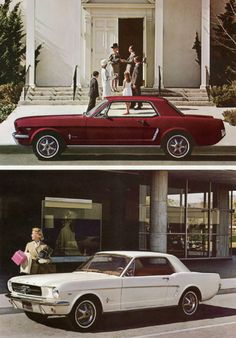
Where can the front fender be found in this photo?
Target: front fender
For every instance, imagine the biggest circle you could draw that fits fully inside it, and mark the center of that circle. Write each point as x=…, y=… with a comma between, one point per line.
x=43, y=130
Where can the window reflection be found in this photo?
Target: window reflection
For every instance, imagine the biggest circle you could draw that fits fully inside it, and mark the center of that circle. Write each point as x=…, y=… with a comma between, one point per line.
x=72, y=225
x=200, y=218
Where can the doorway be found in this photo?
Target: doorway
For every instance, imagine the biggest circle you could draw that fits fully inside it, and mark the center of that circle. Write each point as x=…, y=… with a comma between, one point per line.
x=130, y=32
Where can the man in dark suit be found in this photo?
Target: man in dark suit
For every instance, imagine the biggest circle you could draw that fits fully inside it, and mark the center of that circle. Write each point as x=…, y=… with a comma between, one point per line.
x=137, y=79
x=130, y=61
x=93, y=91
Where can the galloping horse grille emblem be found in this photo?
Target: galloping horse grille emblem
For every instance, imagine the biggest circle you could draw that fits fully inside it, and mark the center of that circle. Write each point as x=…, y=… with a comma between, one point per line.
x=25, y=289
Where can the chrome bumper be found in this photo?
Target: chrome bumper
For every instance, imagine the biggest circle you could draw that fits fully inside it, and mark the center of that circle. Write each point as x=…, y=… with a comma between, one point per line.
x=20, y=136
x=36, y=301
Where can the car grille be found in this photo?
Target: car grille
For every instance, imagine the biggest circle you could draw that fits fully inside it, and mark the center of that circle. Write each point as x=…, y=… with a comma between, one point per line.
x=27, y=289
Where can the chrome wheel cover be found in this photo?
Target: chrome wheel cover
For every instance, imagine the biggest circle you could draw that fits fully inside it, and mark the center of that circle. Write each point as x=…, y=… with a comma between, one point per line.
x=189, y=303
x=85, y=314
x=47, y=146
x=178, y=146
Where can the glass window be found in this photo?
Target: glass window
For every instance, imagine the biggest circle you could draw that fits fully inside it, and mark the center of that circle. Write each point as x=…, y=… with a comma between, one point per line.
x=144, y=217
x=233, y=219
x=73, y=226
x=176, y=197
x=118, y=109
x=176, y=227
x=152, y=266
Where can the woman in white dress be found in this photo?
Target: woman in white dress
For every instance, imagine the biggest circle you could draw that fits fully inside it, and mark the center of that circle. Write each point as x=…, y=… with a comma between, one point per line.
x=105, y=77
x=127, y=90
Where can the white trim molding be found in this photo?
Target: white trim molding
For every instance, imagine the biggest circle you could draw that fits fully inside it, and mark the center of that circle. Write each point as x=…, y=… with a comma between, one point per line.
x=30, y=41
x=159, y=42
x=205, y=37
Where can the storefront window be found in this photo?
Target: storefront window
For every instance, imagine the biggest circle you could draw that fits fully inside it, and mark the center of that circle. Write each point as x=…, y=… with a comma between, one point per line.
x=233, y=219
x=195, y=228
x=198, y=220
x=73, y=226
x=176, y=236
x=144, y=217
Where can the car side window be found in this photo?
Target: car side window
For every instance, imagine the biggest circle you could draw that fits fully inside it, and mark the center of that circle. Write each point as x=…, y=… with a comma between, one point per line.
x=152, y=266
x=103, y=112
x=118, y=109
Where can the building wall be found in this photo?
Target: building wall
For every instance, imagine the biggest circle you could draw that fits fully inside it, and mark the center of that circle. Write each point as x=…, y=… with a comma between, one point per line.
x=56, y=27
x=182, y=19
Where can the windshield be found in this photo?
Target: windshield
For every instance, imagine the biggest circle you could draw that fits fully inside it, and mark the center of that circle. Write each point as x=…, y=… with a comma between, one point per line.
x=104, y=263
x=92, y=111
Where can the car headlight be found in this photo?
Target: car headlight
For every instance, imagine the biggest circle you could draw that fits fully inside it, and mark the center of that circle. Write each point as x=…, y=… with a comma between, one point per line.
x=9, y=285
x=55, y=293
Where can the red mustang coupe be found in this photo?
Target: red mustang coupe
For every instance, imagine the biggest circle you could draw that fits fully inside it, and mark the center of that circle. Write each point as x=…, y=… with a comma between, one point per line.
x=156, y=123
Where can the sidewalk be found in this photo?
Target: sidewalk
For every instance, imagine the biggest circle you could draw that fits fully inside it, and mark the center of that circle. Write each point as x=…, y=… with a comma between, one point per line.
x=7, y=127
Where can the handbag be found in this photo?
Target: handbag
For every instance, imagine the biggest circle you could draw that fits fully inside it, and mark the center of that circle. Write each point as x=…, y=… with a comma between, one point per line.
x=19, y=257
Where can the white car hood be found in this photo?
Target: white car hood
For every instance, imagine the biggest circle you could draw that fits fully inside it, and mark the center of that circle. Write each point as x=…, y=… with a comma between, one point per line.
x=56, y=279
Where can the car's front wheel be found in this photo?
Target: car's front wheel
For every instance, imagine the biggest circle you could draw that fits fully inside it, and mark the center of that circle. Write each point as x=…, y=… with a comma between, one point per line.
x=85, y=314
x=189, y=303
x=177, y=145
x=48, y=146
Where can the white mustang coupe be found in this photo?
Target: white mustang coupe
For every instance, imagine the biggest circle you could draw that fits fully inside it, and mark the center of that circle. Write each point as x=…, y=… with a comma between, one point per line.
x=113, y=281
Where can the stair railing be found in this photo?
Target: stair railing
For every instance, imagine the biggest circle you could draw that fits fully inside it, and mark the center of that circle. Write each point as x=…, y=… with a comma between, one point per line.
x=208, y=87
x=26, y=86
x=159, y=80
x=207, y=76
x=75, y=81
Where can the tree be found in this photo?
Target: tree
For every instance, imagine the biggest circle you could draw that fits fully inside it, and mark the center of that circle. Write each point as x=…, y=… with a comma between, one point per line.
x=197, y=47
x=12, y=47
x=223, y=46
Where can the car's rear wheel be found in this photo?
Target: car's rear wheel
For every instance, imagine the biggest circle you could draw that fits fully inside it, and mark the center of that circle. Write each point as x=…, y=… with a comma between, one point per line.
x=37, y=317
x=48, y=146
x=177, y=145
x=85, y=314
x=189, y=303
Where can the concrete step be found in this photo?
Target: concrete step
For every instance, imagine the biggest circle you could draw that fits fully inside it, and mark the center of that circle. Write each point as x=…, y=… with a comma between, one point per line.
x=64, y=95
x=192, y=103
x=175, y=98
x=52, y=102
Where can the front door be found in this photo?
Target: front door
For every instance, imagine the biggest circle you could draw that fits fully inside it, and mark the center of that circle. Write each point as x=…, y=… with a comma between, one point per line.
x=113, y=127
x=144, y=291
x=130, y=33
x=146, y=283
x=105, y=33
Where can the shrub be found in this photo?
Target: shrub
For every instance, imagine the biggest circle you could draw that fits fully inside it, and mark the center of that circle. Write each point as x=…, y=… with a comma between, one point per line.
x=230, y=116
x=223, y=46
x=224, y=96
x=5, y=110
x=12, y=45
x=9, y=96
x=10, y=93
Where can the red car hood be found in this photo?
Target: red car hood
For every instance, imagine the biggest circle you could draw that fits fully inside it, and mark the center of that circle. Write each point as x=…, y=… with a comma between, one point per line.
x=48, y=120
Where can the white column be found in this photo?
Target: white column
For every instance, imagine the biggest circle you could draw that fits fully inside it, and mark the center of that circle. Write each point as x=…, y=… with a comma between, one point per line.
x=30, y=40
x=159, y=37
x=205, y=42
x=158, y=231
x=78, y=41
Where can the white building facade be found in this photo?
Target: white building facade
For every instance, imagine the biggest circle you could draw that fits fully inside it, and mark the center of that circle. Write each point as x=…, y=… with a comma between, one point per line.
x=81, y=33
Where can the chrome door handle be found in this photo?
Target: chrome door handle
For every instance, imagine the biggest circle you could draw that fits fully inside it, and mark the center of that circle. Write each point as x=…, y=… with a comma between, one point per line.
x=165, y=278
x=143, y=122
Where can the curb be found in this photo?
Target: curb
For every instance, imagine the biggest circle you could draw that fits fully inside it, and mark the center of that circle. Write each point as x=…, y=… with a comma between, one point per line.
x=204, y=150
